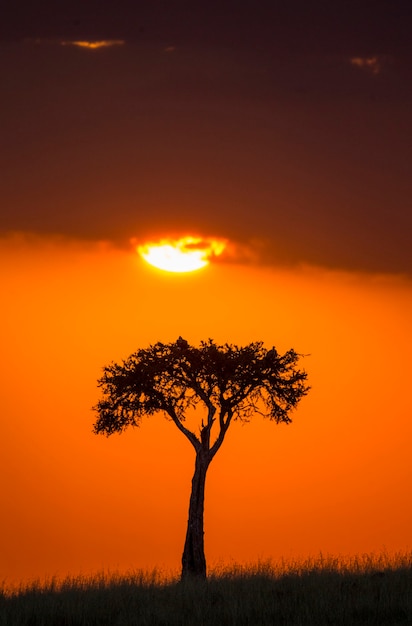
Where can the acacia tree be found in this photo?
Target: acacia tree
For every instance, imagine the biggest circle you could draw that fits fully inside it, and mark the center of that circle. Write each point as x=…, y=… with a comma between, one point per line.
x=230, y=382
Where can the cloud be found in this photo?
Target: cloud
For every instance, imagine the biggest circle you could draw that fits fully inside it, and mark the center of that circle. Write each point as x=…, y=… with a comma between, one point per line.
x=369, y=64
x=221, y=249
x=87, y=44
x=251, y=252
x=93, y=45
x=21, y=241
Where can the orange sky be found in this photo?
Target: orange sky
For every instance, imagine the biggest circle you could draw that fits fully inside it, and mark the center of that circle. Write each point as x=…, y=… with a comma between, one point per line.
x=337, y=480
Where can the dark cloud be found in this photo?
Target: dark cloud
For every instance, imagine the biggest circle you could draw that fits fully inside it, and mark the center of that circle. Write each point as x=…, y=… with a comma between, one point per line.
x=249, y=125
x=317, y=27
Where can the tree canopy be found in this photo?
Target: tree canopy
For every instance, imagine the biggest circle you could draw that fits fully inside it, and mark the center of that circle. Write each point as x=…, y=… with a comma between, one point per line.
x=233, y=381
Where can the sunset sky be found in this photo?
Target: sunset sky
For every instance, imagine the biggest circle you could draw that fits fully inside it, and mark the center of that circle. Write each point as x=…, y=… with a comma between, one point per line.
x=284, y=130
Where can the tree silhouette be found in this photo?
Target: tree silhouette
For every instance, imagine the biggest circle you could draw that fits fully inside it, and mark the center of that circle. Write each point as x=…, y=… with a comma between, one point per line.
x=229, y=382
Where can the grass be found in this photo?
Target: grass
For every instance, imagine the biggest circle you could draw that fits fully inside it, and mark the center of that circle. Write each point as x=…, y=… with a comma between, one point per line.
x=375, y=590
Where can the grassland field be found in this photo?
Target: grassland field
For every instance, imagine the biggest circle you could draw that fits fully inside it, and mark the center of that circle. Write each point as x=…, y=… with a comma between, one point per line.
x=364, y=590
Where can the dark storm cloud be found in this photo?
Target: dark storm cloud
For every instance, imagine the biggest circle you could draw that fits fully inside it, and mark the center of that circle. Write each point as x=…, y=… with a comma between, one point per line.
x=242, y=124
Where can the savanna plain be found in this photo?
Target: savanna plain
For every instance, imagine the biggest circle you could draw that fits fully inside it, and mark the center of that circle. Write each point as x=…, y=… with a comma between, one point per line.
x=365, y=485
x=368, y=589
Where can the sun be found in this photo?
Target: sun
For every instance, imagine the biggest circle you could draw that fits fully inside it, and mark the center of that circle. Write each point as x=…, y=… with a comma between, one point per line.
x=186, y=254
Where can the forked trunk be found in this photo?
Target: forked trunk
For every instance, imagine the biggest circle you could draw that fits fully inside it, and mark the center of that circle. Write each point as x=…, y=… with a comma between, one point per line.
x=193, y=559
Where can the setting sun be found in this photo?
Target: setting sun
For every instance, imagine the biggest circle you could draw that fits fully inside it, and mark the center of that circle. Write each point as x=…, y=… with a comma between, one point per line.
x=181, y=255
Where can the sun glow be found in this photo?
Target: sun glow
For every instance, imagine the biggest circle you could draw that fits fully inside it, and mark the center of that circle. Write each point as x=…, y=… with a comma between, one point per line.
x=181, y=255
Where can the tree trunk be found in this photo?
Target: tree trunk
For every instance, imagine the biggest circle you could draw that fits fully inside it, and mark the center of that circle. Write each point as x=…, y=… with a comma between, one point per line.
x=193, y=558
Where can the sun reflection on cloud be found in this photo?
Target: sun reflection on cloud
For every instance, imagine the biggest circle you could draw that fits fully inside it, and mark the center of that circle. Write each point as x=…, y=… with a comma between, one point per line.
x=93, y=45
x=186, y=254
x=371, y=64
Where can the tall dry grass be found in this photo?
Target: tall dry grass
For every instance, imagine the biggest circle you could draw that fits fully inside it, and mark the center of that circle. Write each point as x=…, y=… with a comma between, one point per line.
x=368, y=589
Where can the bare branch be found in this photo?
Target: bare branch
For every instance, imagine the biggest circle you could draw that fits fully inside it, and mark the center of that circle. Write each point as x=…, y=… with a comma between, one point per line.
x=224, y=425
x=188, y=433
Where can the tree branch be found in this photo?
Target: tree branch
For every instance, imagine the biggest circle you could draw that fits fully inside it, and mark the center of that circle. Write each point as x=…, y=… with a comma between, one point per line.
x=224, y=425
x=188, y=433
